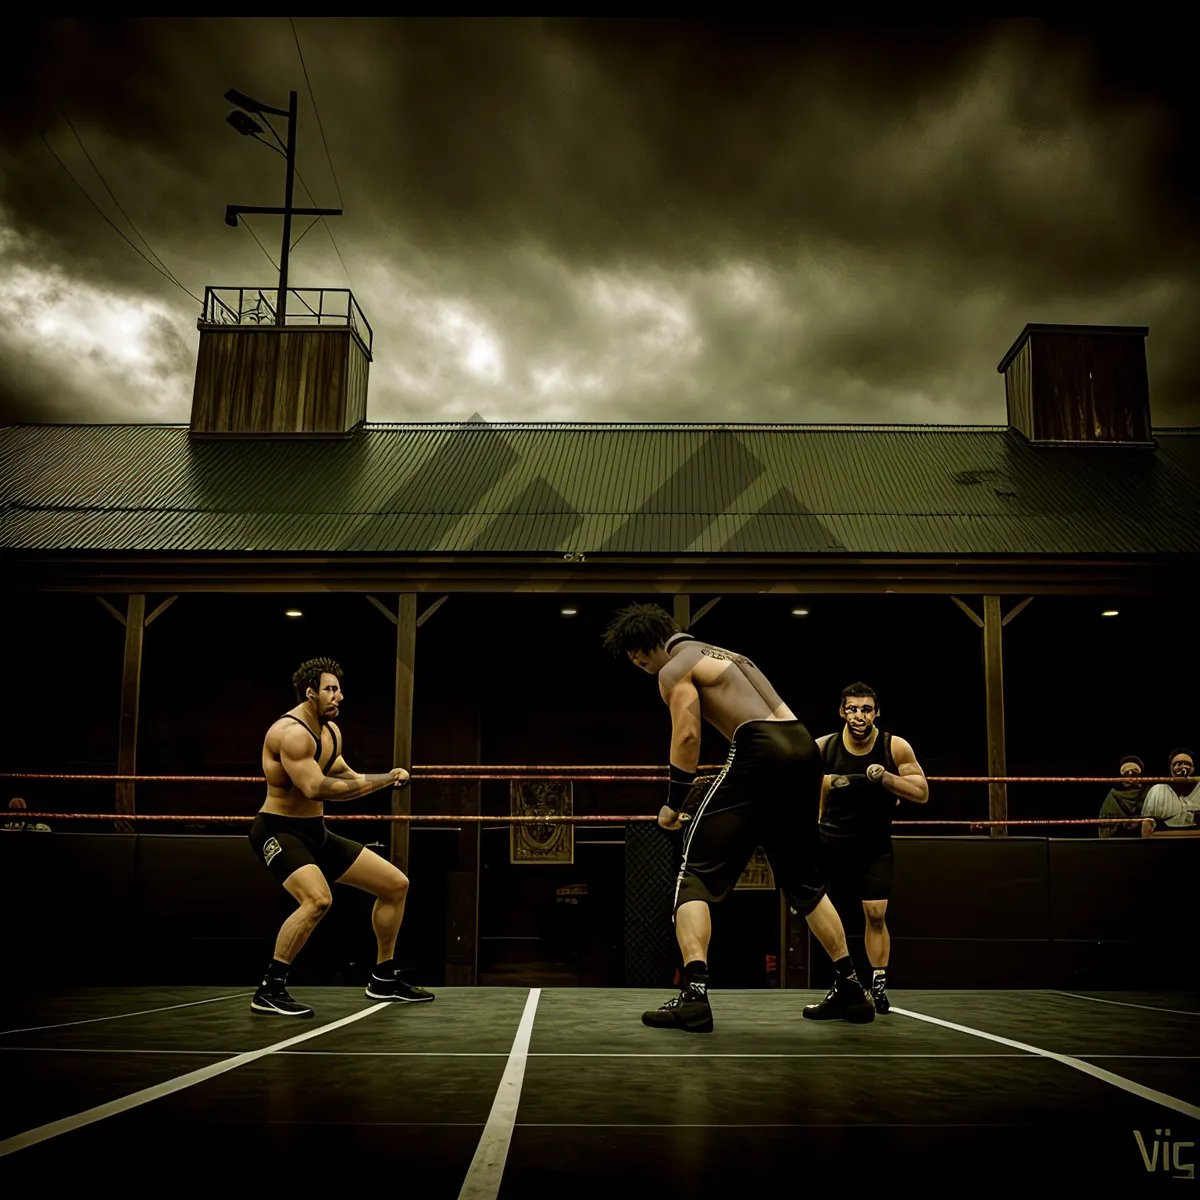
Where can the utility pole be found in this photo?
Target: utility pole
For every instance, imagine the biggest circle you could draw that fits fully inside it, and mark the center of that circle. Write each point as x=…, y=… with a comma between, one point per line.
x=281, y=303
x=249, y=128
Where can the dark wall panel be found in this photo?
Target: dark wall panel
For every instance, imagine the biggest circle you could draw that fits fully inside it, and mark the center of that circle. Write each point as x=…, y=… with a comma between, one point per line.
x=970, y=888
x=1119, y=890
x=966, y=913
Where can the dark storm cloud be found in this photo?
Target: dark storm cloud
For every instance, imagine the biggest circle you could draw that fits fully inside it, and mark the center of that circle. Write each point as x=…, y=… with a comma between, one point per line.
x=617, y=221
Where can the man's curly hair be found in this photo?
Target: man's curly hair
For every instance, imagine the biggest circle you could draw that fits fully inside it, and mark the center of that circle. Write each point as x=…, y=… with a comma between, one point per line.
x=639, y=627
x=308, y=675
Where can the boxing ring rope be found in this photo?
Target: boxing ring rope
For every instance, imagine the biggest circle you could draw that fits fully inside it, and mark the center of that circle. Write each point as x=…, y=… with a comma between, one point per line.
x=474, y=773
x=616, y=819
x=477, y=773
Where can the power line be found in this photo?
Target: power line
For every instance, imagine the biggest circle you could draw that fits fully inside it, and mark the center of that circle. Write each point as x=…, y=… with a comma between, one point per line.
x=100, y=176
x=316, y=110
x=310, y=225
x=260, y=245
x=313, y=201
x=337, y=252
x=312, y=96
x=119, y=231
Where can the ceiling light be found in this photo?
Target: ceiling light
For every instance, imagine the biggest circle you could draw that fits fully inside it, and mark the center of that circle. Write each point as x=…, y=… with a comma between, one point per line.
x=569, y=612
x=799, y=612
x=1110, y=612
x=293, y=612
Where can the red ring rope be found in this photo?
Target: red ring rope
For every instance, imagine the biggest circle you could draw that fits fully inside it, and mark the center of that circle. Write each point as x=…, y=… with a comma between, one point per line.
x=20, y=814
x=416, y=778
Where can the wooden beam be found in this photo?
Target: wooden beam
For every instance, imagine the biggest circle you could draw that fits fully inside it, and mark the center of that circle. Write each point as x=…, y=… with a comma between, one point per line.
x=968, y=610
x=683, y=606
x=706, y=608
x=391, y=616
x=1016, y=612
x=406, y=653
x=732, y=574
x=131, y=680
x=116, y=612
x=162, y=608
x=431, y=610
x=993, y=666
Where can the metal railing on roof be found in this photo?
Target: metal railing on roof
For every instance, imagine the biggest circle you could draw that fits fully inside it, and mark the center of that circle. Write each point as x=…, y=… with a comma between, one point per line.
x=305, y=306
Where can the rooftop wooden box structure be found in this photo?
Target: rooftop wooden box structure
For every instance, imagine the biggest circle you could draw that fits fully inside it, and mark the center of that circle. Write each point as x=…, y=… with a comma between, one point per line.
x=1078, y=384
x=259, y=378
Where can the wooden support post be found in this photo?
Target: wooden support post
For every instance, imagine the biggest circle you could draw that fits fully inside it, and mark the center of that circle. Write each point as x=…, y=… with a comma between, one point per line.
x=131, y=679
x=705, y=608
x=993, y=666
x=406, y=653
x=683, y=617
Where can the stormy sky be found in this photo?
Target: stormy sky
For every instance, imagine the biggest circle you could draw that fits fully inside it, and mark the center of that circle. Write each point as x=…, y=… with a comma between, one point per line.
x=619, y=221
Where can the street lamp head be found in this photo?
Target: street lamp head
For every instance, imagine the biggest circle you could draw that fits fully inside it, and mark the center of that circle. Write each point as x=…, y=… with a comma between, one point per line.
x=231, y=215
x=244, y=101
x=243, y=124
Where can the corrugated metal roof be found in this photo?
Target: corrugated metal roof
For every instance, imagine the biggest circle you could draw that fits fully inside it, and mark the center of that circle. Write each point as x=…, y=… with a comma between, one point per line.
x=599, y=489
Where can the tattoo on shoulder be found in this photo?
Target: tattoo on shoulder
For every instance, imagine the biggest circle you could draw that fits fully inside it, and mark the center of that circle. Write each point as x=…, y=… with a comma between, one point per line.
x=726, y=656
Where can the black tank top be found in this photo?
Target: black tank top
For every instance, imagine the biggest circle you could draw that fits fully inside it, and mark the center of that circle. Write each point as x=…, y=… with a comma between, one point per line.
x=317, y=753
x=864, y=809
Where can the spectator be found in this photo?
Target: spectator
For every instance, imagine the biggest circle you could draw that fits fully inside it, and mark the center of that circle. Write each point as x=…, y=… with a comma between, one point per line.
x=1171, y=807
x=1124, y=801
x=16, y=804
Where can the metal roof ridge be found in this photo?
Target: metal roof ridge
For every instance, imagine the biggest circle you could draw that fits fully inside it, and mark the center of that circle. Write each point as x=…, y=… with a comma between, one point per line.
x=648, y=426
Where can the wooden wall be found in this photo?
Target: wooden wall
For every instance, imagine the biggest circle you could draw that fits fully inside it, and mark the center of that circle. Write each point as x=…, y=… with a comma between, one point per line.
x=1090, y=388
x=1080, y=387
x=266, y=380
x=1018, y=390
x=357, y=363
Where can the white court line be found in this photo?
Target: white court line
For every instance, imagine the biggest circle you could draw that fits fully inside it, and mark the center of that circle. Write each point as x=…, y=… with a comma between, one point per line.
x=487, y=1167
x=1084, y=1054
x=766, y=1125
x=1183, y=1012
x=120, y=1016
x=506, y=1053
x=44, y=1132
x=1138, y=1089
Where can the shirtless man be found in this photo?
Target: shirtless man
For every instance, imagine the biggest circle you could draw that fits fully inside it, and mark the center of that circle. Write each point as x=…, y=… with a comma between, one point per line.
x=868, y=773
x=767, y=794
x=302, y=760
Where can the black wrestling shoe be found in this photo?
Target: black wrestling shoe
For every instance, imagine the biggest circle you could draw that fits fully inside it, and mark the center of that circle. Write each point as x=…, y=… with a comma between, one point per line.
x=687, y=1011
x=396, y=989
x=879, y=995
x=847, y=1000
x=276, y=1001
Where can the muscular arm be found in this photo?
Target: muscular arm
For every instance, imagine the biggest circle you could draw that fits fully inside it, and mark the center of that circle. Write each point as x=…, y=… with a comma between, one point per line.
x=340, y=770
x=910, y=783
x=297, y=761
x=684, y=702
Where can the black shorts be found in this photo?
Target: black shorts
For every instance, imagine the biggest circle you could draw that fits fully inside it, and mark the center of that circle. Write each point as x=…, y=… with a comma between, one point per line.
x=857, y=868
x=767, y=794
x=284, y=844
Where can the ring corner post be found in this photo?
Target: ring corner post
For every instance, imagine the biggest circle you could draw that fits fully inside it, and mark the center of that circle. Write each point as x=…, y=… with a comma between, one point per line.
x=993, y=665
x=406, y=651
x=131, y=679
